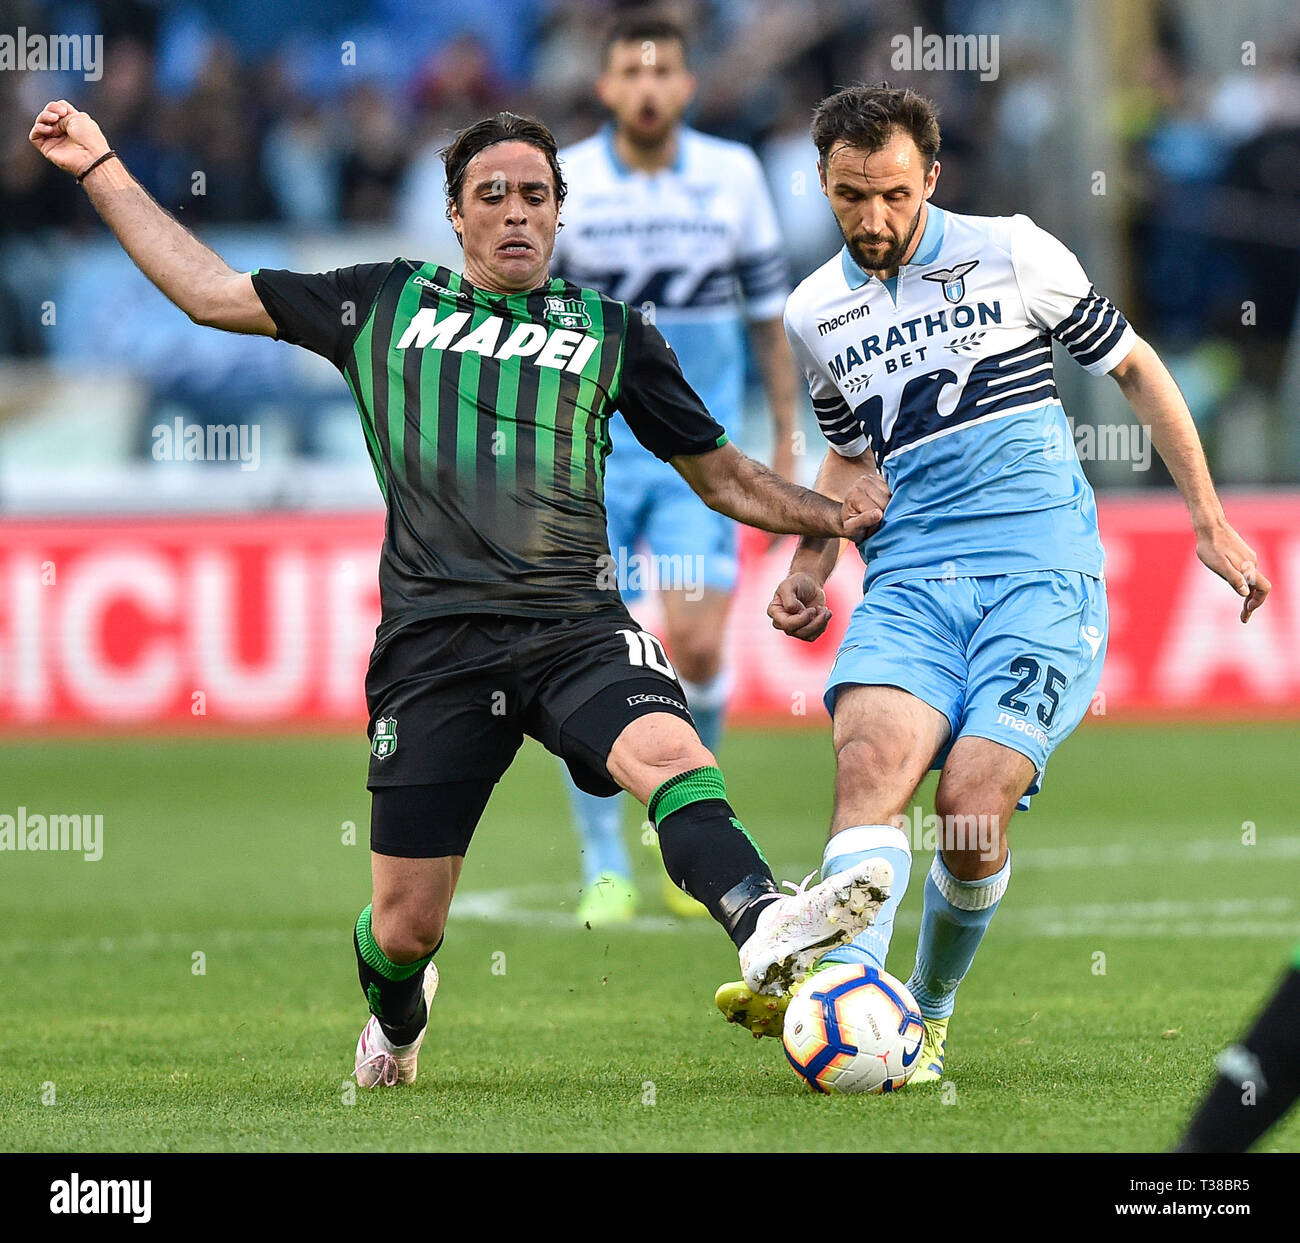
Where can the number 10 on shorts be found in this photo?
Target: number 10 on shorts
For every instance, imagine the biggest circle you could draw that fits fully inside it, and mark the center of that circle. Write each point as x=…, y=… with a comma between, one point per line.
x=644, y=651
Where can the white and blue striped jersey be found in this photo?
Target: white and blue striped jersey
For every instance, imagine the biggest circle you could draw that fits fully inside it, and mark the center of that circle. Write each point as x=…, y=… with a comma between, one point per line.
x=945, y=374
x=695, y=245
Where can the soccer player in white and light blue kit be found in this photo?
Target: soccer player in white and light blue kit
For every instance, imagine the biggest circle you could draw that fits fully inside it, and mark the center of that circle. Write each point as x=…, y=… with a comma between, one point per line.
x=679, y=225
x=927, y=345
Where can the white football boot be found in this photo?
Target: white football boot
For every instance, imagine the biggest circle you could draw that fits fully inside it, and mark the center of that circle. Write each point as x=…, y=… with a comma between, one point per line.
x=795, y=930
x=381, y=1064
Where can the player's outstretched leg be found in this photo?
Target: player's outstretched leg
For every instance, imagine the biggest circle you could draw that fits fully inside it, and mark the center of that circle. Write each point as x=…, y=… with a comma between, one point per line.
x=710, y=855
x=779, y=938
x=707, y=702
x=695, y=627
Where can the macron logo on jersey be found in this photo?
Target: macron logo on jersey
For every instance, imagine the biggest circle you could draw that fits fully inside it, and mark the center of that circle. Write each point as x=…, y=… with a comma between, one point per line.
x=557, y=348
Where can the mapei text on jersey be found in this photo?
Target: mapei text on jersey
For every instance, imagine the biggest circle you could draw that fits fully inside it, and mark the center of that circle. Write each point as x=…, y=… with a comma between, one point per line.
x=556, y=347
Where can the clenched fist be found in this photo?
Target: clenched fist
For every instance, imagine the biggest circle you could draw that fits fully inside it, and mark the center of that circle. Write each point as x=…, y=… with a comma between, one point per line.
x=799, y=608
x=69, y=139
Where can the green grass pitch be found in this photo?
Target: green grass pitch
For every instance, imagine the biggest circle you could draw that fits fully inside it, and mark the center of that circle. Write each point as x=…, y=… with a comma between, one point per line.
x=1139, y=936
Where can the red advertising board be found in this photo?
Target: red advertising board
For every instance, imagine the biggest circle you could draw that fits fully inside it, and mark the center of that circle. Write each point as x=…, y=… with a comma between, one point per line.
x=267, y=622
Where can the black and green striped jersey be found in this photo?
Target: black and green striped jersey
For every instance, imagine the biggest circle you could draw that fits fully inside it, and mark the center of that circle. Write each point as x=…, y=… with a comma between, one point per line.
x=487, y=421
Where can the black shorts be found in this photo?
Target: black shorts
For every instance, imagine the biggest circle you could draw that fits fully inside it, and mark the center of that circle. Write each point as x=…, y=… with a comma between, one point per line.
x=451, y=698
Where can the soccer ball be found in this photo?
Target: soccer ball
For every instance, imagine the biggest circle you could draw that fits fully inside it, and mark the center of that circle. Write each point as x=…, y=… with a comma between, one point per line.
x=851, y=1028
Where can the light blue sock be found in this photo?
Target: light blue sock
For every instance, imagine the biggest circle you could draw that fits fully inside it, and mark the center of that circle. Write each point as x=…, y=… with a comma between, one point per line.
x=851, y=846
x=954, y=917
x=600, y=833
x=708, y=704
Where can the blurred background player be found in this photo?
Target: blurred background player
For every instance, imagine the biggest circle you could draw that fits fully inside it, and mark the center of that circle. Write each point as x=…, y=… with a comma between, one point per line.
x=680, y=225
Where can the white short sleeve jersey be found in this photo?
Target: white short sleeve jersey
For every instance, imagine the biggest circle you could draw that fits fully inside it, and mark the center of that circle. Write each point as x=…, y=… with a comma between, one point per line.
x=945, y=374
x=694, y=246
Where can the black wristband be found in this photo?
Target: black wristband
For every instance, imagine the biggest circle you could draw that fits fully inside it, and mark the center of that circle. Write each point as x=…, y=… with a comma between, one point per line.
x=94, y=164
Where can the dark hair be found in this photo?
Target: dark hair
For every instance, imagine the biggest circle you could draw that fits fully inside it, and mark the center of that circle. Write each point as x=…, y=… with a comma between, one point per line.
x=866, y=116
x=643, y=27
x=504, y=127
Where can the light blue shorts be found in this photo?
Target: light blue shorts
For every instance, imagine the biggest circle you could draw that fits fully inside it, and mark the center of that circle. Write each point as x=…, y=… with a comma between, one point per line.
x=1011, y=657
x=651, y=507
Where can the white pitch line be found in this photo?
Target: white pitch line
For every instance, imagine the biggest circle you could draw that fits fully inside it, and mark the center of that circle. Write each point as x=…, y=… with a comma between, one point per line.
x=1160, y=917
x=1147, y=931
x=504, y=906
x=543, y=906
x=1219, y=917
x=1167, y=908
x=1228, y=849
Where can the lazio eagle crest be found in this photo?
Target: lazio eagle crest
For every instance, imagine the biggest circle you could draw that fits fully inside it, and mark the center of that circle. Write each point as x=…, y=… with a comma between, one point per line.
x=953, y=280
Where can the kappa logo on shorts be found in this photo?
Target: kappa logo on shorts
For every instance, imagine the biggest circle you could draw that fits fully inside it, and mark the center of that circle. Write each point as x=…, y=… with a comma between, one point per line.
x=634, y=700
x=384, y=742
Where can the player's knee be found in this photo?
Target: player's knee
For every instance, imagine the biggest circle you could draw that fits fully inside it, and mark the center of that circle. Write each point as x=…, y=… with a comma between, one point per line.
x=679, y=756
x=870, y=762
x=653, y=749
x=973, y=794
x=666, y=754
x=405, y=935
x=973, y=820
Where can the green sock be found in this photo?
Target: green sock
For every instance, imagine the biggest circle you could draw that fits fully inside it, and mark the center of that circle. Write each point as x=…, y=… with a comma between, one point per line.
x=708, y=852
x=394, y=991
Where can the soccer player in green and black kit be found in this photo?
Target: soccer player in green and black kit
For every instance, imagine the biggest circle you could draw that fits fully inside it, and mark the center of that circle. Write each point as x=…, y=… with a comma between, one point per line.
x=485, y=398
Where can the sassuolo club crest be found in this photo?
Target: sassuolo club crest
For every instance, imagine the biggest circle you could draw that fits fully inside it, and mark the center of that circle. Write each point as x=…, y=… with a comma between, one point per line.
x=384, y=742
x=567, y=312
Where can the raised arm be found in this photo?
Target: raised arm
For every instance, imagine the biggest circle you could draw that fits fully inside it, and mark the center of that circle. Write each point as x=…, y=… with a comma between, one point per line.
x=190, y=274
x=1151, y=391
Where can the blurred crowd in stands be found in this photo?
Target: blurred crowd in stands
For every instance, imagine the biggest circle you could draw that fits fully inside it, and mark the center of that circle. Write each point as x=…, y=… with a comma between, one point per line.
x=329, y=115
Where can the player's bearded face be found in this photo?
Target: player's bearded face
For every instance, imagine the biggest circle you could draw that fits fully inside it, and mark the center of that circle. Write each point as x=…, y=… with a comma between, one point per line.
x=883, y=250
x=647, y=88
x=878, y=198
x=507, y=217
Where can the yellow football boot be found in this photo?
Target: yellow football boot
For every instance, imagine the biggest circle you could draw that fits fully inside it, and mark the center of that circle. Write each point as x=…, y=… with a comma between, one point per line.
x=761, y=1014
x=930, y=1069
